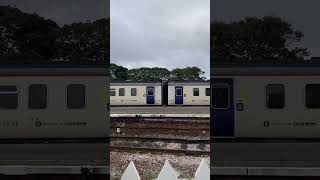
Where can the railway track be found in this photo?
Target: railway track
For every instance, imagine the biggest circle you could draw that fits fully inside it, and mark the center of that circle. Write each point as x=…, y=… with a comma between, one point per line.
x=160, y=145
x=176, y=126
x=171, y=135
x=168, y=140
x=158, y=150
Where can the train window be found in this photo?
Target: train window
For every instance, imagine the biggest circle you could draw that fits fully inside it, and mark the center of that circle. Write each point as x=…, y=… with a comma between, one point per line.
x=133, y=91
x=208, y=92
x=37, y=98
x=76, y=96
x=195, y=91
x=8, y=97
x=150, y=91
x=220, y=97
x=275, y=96
x=312, y=94
x=112, y=92
x=121, y=92
x=178, y=91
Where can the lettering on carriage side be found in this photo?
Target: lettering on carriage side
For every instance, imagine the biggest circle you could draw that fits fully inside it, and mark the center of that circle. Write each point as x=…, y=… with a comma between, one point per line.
x=38, y=123
x=67, y=124
x=308, y=124
x=75, y=124
x=295, y=124
x=9, y=124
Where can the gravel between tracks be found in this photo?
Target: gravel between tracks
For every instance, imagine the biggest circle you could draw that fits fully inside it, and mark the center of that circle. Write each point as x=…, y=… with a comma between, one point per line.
x=149, y=165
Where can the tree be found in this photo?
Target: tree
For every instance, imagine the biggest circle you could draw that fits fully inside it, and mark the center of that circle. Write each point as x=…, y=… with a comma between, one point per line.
x=187, y=74
x=148, y=74
x=118, y=72
x=25, y=38
x=29, y=38
x=156, y=74
x=83, y=42
x=255, y=40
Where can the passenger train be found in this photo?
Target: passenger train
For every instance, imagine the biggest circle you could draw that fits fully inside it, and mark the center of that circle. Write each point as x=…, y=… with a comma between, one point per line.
x=265, y=120
x=54, y=119
x=157, y=93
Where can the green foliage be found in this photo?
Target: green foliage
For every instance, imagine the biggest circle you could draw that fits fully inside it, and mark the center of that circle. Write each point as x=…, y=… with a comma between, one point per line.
x=255, y=40
x=156, y=74
x=187, y=74
x=29, y=38
x=148, y=74
x=25, y=35
x=118, y=72
x=83, y=42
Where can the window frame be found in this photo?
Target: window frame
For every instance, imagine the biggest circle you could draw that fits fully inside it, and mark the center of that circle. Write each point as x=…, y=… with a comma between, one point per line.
x=47, y=98
x=208, y=91
x=136, y=92
x=85, y=97
x=305, y=96
x=193, y=90
x=176, y=91
x=153, y=90
x=18, y=99
x=115, y=92
x=124, y=92
x=211, y=97
x=266, y=96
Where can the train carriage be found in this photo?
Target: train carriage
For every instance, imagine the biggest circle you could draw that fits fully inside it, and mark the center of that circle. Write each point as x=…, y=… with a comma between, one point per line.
x=189, y=93
x=53, y=119
x=265, y=117
x=135, y=93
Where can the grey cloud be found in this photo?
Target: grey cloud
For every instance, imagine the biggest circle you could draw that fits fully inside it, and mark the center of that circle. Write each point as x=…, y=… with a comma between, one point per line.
x=160, y=33
x=64, y=11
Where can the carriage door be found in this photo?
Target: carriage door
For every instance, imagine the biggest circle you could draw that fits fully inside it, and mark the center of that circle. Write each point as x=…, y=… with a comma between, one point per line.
x=222, y=107
x=150, y=95
x=179, y=95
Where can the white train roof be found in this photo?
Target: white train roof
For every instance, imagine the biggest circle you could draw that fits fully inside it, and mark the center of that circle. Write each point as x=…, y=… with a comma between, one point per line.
x=271, y=70
x=130, y=83
x=53, y=70
x=190, y=83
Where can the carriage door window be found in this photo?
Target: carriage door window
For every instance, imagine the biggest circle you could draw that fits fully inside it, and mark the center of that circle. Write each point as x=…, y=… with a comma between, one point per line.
x=178, y=91
x=121, y=92
x=76, y=96
x=133, y=91
x=275, y=96
x=37, y=98
x=8, y=97
x=312, y=94
x=150, y=91
x=195, y=91
x=112, y=92
x=220, y=97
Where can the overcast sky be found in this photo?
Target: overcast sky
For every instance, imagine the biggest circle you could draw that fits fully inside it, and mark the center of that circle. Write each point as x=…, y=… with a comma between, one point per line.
x=160, y=33
x=64, y=11
x=303, y=15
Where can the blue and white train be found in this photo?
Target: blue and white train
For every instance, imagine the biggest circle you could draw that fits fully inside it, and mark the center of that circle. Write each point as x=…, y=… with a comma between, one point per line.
x=157, y=93
x=265, y=120
x=54, y=120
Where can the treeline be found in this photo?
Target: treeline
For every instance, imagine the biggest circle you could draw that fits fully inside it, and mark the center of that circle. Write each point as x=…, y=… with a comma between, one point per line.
x=29, y=38
x=268, y=40
x=156, y=74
